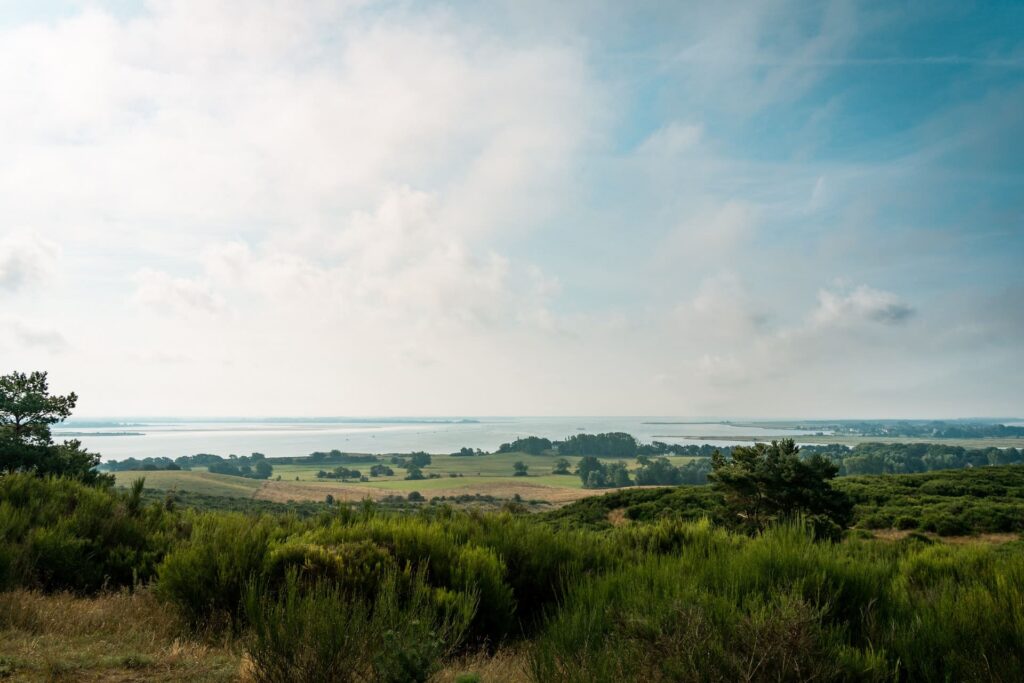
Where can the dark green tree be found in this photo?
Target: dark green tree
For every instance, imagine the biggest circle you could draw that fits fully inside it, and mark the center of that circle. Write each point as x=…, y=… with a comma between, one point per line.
x=262, y=469
x=381, y=471
x=766, y=482
x=589, y=465
x=520, y=468
x=618, y=476
x=561, y=467
x=657, y=472
x=419, y=459
x=27, y=411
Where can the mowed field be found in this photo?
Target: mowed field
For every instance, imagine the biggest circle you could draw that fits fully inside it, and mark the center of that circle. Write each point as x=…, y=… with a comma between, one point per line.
x=488, y=475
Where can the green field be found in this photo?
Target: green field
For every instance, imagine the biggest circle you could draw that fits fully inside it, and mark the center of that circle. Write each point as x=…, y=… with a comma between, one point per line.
x=488, y=466
x=485, y=475
x=196, y=481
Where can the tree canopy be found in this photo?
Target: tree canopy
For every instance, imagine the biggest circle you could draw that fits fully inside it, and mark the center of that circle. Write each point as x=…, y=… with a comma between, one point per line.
x=27, y=411
x=765, y=482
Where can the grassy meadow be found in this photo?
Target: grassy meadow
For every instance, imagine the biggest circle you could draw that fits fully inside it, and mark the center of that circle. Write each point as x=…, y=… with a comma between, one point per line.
x=101, y=585
x=490, y=475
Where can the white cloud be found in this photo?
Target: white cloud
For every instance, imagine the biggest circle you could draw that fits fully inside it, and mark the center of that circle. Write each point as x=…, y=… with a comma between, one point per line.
x=715, y=230
x=388, y=208
x=859, y=305
x=158, y=292
x=36, y=337
x=736, y=58
x=673, y=139
x=25, y=259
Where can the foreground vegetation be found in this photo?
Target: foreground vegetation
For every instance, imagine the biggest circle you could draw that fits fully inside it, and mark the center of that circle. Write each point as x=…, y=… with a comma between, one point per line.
x=361, y=594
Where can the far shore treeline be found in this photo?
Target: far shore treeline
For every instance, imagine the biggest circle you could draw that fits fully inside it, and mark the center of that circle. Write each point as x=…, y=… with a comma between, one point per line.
x=603, y=460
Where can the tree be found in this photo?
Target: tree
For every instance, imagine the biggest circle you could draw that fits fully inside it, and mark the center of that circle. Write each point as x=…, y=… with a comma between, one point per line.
x=611, y=445
x=533, y=445
x=262, y=469
x=657, y=472
x=520, y=468
x=561, y=467
x=590, y=465
x=618, y=476
x=27, y=410
x=344, y=473
x=763, y=483
x=419, y=459
x=381, y=471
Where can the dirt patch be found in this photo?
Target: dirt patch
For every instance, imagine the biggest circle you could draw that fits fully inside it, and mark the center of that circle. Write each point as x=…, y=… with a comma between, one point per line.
x=617, y=517
x=900, y=534
x=982, y=538
x=504, y=666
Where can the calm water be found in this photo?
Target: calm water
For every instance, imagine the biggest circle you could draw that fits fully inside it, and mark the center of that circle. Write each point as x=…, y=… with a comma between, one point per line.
x=284, y=438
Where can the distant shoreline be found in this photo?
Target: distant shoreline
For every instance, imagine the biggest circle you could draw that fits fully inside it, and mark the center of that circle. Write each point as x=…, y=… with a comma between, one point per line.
x=60, y=433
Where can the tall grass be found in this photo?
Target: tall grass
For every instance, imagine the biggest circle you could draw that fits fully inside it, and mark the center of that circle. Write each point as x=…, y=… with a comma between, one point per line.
x=324, y=633
x=58, y=534
x=207, y=576
x=782, y=607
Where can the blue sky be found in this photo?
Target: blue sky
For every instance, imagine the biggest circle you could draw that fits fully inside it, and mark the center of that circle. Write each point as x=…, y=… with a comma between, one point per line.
x=311, y=208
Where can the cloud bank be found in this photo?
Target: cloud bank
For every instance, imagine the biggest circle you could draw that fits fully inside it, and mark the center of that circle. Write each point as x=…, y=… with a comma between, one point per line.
x=360, y=208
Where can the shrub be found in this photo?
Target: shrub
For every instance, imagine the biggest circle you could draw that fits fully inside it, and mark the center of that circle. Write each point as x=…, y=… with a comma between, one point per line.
x=355, y=567
x=59, y=534
x=323, y=633
x=906, y=522
x=206, y=577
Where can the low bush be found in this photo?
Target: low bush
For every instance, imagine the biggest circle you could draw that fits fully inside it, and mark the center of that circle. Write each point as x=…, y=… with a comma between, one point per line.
x=59, y=534
x=206, y=576
x=321, y=632
x=783, y=607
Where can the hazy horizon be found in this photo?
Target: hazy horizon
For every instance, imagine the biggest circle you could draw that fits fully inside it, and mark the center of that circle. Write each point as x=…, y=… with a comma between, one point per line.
x=224, y=208
x=731, y=418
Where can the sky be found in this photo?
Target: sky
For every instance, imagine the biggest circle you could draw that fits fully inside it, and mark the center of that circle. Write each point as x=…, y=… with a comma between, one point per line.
x=308, y=208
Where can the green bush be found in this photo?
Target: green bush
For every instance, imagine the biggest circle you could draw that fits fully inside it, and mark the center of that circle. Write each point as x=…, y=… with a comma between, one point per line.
x=442, y=549
x=906, y=522
x=59, y=534
x=717, y=605
x=206, y=576
x=321, y=632
x=354, y=566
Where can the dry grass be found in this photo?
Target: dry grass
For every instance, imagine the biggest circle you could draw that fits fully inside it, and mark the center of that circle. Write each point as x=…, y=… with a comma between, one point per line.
x=113, y=637
x=617, y=517
x=899, y=534
x=284, y=491
x=504, y=666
